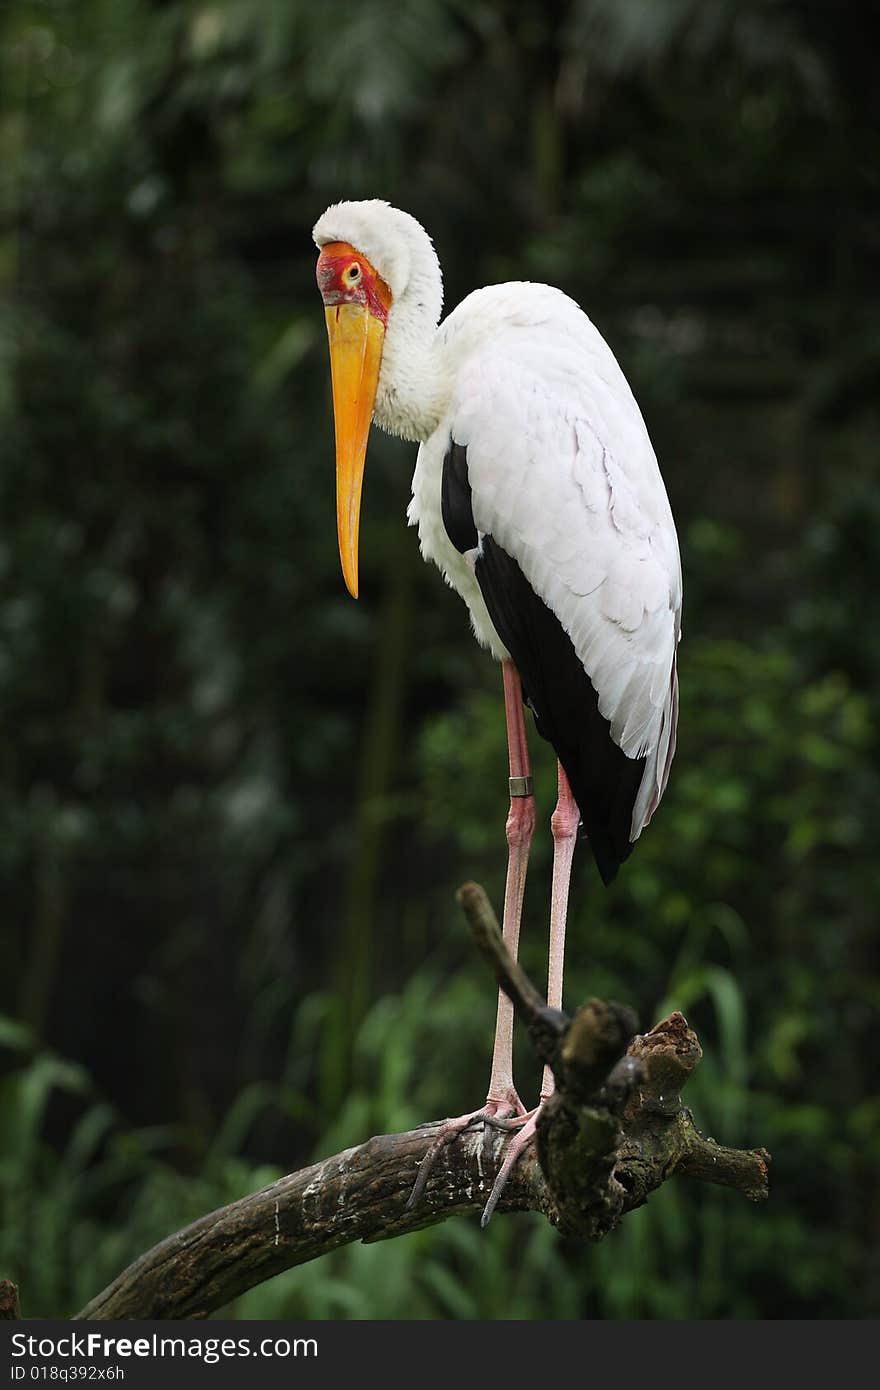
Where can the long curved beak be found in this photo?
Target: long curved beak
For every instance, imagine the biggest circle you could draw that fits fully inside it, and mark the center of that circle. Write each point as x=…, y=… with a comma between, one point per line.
x=356, y=338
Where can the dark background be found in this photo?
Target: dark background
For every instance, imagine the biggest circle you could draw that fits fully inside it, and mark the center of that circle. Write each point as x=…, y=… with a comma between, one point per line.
x=234, y=805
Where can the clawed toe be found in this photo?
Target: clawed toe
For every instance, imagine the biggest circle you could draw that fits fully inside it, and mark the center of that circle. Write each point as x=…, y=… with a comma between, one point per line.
x=500, y=1114
x=511, y=1122
x=517, y=1145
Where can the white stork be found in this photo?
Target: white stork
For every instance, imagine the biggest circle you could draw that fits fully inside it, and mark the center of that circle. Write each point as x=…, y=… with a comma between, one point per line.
x=537, y=493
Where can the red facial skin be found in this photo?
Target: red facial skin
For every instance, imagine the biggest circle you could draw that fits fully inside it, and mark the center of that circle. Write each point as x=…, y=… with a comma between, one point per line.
x=346, y=277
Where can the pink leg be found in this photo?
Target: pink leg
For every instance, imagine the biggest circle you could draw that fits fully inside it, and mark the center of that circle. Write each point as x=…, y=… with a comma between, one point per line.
x=564, y=825
x=520, y=830
x=502, y=1101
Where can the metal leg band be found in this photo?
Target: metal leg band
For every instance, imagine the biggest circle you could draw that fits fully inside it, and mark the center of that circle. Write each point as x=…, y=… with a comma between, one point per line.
x=521, y=786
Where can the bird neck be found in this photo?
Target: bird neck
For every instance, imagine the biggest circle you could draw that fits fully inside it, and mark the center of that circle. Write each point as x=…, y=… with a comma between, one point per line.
x=414, y=388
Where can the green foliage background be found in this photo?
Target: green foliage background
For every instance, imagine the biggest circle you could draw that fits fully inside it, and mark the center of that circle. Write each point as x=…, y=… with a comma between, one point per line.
x=234, y=806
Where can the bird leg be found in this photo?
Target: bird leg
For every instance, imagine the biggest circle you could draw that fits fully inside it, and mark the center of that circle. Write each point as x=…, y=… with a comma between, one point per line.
x=503, y=1106
x=520, y=830
x=564, y=825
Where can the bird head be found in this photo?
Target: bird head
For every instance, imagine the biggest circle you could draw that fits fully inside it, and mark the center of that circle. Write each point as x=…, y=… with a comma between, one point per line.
x=370, y=262
x=356, y=304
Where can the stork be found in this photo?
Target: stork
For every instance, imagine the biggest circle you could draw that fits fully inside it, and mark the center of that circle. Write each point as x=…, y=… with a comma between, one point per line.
x=537, y=494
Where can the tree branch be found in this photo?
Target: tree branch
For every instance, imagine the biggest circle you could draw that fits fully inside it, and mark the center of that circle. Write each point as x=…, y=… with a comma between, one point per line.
x=614, y=1130
x=10, y=1308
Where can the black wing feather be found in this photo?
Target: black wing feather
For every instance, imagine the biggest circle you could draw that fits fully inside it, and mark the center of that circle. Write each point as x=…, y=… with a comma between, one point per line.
x=605, y=782
x=455, y=500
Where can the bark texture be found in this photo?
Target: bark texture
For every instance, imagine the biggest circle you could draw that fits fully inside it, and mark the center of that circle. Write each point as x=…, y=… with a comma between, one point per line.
x=9, y=1306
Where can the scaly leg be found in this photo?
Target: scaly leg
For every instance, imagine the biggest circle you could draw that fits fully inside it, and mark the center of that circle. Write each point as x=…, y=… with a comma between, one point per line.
x=564, y=825
x=502, y=1101
x=520, y=830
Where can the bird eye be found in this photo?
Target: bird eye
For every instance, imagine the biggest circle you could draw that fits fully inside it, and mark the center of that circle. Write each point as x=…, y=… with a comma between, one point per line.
x=353, y=273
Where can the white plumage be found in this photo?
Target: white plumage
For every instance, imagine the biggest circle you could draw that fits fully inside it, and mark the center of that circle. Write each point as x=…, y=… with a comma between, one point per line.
x=561, y=470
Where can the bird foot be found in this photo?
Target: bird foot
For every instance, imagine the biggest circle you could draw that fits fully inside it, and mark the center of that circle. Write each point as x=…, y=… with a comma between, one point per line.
x=502, y=1113
x=526, y=1124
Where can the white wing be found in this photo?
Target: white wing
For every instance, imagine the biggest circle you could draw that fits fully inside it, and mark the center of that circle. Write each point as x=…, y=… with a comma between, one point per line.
x=564, y=477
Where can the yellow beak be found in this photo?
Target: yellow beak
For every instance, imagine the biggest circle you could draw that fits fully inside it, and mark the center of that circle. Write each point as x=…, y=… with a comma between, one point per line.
x=356, y=338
